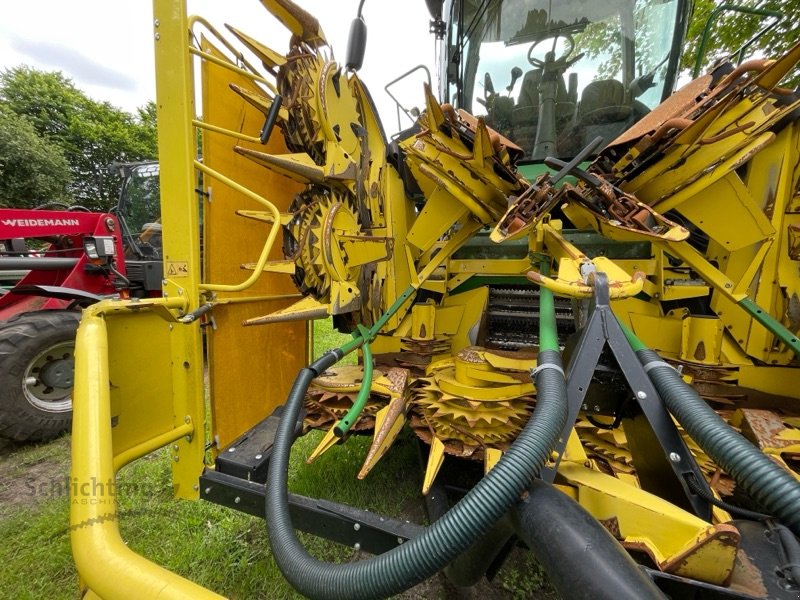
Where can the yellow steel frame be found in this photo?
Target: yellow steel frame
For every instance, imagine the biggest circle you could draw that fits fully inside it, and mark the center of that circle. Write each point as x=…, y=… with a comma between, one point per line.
x=107, y=566
x=120, y=416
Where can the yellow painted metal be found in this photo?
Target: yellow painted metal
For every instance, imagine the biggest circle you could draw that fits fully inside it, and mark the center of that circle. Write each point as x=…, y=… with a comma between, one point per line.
x=298, y=21
x=215, y=59
x=494, y=267
x=436, y=217
x=728, y=196
x=423, y=321
x=270, y=238
x=701, y=339
x=304, y=309
x=435, y=460
x=677, y=541
x=778, y=381
x=265, y=216
x=273, y=266
x=107, y=566
x=119, y=415
x=228, y=132
x=492, y=457
x=574, y=267
x=389, y=422
x=153, y=444
x=248, y=71
x=181, y=244
x=327, y=442
x=661, y=333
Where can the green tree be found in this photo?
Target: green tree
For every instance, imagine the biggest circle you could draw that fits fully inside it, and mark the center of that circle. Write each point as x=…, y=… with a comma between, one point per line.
x=91, y=134
x=32, y=171
x=731, y=30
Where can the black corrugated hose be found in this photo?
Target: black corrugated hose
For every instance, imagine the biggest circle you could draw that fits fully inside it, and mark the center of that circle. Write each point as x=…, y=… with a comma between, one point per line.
x=769, y=485
x=581, y=558
x=416, y=560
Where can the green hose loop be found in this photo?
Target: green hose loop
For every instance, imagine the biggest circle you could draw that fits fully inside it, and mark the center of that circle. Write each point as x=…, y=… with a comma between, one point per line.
x=361, y=339
x=548, y=331
x=352, y=415
x=634, y=341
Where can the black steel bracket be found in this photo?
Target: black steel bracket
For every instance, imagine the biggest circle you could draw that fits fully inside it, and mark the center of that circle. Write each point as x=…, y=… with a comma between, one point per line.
x=354, y=527
x=663, y=472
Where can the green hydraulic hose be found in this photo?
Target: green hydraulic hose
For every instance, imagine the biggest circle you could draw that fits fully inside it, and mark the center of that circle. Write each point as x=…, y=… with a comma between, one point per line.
x=352, y=415
x=362, y=339
x=548, y=331
x=354, y=344
x=766, y=482
x=635, y=343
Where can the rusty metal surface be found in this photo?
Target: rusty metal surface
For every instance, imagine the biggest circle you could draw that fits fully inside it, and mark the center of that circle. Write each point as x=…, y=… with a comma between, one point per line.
x=677, y=104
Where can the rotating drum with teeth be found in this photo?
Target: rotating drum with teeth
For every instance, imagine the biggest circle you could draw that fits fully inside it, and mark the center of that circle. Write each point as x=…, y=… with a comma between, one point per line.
x=310, y=240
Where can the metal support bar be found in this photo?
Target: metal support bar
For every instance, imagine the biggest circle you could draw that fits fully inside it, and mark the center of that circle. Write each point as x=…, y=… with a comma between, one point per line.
x=337, y=522
x=649, y=428
x=45, y=263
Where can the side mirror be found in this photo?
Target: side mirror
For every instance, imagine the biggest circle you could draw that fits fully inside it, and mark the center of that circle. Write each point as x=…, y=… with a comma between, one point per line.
x=356, y=44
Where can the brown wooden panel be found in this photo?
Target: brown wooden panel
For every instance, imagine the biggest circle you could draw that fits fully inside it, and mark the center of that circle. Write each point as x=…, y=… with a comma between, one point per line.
x=250, y=368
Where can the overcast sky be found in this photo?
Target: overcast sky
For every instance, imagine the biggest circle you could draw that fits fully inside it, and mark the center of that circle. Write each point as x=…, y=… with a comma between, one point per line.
x=106, y=46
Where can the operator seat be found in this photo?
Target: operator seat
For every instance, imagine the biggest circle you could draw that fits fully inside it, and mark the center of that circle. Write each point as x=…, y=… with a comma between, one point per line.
x=603, y=102
x=605, y=110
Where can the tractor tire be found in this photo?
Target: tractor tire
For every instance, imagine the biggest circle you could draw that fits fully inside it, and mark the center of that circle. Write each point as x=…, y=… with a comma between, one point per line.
x=36, y=374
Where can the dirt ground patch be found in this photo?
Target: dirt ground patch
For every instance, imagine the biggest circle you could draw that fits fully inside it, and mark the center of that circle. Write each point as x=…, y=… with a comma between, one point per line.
x=32, y=474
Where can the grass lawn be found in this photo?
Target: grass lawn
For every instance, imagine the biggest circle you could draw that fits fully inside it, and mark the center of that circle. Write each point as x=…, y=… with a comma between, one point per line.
x=213, y=546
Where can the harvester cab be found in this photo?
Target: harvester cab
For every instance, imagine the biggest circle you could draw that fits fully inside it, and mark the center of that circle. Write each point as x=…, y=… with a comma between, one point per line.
x=576, y=70
x=595, y=354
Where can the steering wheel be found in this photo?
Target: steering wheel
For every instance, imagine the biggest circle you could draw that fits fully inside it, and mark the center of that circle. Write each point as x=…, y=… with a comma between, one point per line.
x=570, y=46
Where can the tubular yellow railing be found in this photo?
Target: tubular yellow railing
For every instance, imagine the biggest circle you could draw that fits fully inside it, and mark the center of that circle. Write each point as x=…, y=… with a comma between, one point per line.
x=251, y=73
x=273, y=232
x=107, y=566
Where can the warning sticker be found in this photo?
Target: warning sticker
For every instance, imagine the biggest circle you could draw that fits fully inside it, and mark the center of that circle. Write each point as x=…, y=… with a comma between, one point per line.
x=177, y=268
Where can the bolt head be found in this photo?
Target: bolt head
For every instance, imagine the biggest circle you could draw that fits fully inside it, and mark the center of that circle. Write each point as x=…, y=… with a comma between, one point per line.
x=675, y=457
x=641, y=395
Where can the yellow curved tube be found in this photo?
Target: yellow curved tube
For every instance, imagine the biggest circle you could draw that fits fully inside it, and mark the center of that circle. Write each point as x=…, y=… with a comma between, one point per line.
x=106, y=565
x=575, y=289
